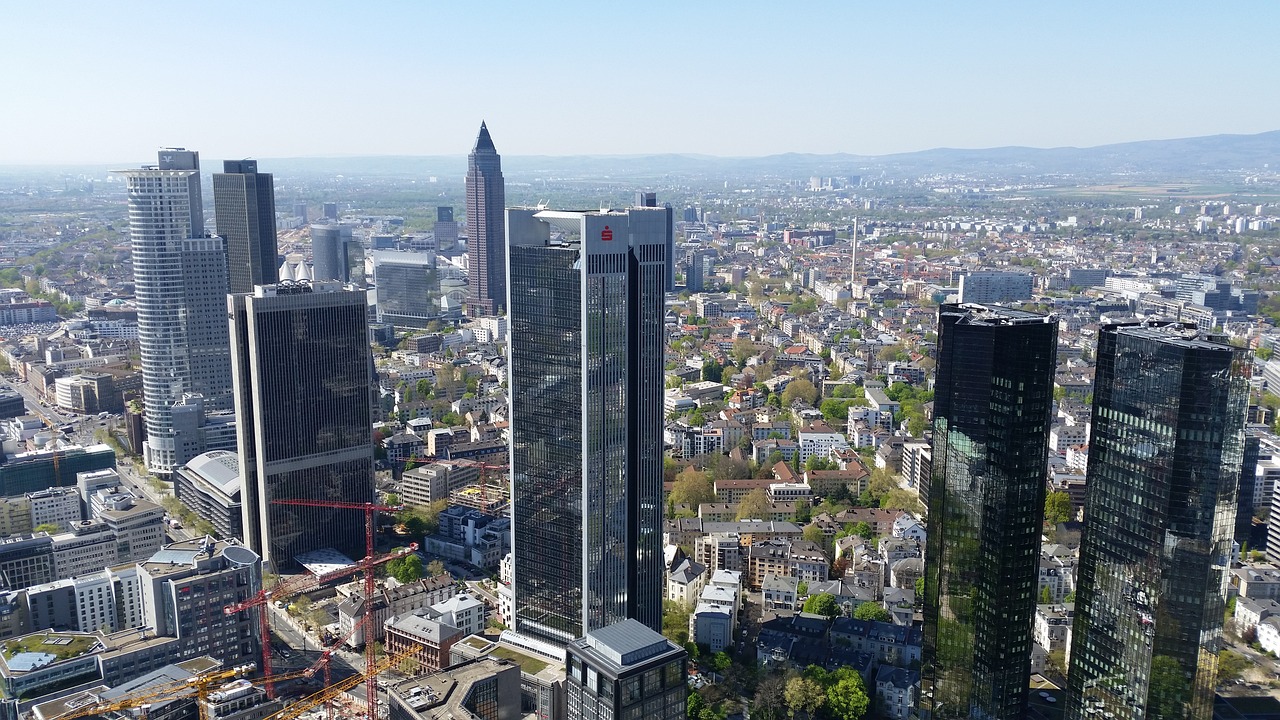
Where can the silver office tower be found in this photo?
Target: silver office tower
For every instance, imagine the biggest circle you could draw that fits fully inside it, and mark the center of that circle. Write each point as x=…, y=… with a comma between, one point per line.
x=585, y=292
x=180, y=281
x=302, y=377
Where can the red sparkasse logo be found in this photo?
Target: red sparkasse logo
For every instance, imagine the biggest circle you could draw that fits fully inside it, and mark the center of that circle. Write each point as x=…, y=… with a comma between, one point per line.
x=606, y=234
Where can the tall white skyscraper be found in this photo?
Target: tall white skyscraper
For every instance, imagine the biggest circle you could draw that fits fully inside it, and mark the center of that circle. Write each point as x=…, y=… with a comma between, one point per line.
x=180, y=286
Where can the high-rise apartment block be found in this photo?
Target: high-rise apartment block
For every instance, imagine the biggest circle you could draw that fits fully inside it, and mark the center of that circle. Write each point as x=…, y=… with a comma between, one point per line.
x=1167, y=444
x=180, y=278
x=244, y=210
x=486, y=250
x=586, y=378
x=992, y=408
x=302, y=392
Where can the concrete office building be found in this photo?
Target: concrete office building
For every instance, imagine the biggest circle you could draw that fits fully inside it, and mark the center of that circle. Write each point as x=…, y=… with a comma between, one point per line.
x=244, y=208
x=180, y=278
x=336, y=255
x=486, y=251
x=994, y=286
x=407, y=288
x=586, y=378
x=302, y=393
x=625, y=670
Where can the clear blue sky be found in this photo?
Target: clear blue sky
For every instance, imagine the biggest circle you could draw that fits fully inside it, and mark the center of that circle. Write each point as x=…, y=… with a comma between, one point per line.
x=112, y=81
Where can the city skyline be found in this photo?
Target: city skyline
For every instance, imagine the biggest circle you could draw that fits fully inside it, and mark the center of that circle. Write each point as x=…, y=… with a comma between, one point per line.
x=1130, y=76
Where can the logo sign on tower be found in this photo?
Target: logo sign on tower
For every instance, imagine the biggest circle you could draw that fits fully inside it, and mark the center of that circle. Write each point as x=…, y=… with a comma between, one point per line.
x=606, y=234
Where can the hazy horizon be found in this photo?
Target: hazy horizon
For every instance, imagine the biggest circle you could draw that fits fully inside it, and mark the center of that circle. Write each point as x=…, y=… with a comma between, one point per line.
x=295, y=80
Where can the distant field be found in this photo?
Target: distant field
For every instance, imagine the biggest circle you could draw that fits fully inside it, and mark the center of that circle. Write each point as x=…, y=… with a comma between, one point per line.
x=1165, y=190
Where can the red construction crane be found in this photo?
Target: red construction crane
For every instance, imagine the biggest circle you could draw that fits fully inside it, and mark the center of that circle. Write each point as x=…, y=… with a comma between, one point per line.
x=371, y=511
x=295, y=586
x=484, y=483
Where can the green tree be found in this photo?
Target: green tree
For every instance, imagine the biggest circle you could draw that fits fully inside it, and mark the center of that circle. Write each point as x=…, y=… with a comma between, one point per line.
x=847, y=695
x=742, y=350
x=799, y=389
x=872, y=611
x=719, y=662
x=675, y=622
x=50, y=528
x=393, y=499
x=814, y=534
x=755, y=506
x=693, y=487
x=436, y=568
x=803, y=696
x=1231, y=666
x=1046, y=596
x=919, y=589
x=822, y=604
x=1057, y=507
x=712, y=371
x=406, y=569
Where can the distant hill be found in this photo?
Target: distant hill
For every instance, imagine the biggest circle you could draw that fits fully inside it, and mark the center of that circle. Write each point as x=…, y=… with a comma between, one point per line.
x=1187, y=157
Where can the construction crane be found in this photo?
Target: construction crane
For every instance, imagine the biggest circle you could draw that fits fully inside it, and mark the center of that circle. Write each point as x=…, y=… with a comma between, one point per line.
x=371, y=511
x=330, y=692
x=199, y=686
x=295, y=586
x=484, y=483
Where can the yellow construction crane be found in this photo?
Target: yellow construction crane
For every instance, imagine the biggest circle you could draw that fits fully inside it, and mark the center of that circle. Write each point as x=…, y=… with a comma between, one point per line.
x=297, y=709
x=199, y=686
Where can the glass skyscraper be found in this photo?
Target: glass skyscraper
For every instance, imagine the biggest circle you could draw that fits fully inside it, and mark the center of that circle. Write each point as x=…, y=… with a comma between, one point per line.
x=486, y=198
x=1164, y=462
x=586, y=378
x=180, y=285
x=244, y=210
x=993, y=403
x=302, y=393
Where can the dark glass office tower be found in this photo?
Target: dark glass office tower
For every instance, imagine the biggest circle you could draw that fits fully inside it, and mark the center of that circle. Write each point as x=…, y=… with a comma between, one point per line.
x=302, y=372
x=992, y=407
x=586, y=377
x=244, y=208
x=486, y=236
x=1167, y=443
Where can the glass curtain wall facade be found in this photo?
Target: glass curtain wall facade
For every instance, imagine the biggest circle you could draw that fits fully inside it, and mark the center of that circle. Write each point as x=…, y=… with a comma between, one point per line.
x=587, y=353
x=1164, y=463
x=486, y=251
x=408, y=287
x=992, y=408
x=244, y=208
x=303, y=393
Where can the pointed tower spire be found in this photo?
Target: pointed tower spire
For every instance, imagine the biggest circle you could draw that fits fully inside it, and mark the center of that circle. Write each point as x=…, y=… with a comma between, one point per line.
x=483, y=141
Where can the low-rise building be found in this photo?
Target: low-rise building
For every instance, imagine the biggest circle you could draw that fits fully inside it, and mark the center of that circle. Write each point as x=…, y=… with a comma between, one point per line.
x=487, y=688
x=425, y=639
x=623, y=671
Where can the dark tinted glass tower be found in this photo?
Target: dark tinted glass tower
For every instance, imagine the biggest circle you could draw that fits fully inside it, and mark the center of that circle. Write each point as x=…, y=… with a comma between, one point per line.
x=586, y=425
x=486, y=236
x=302, y=372
x=992, y=410
x=244, y=207
x=1167, y=443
